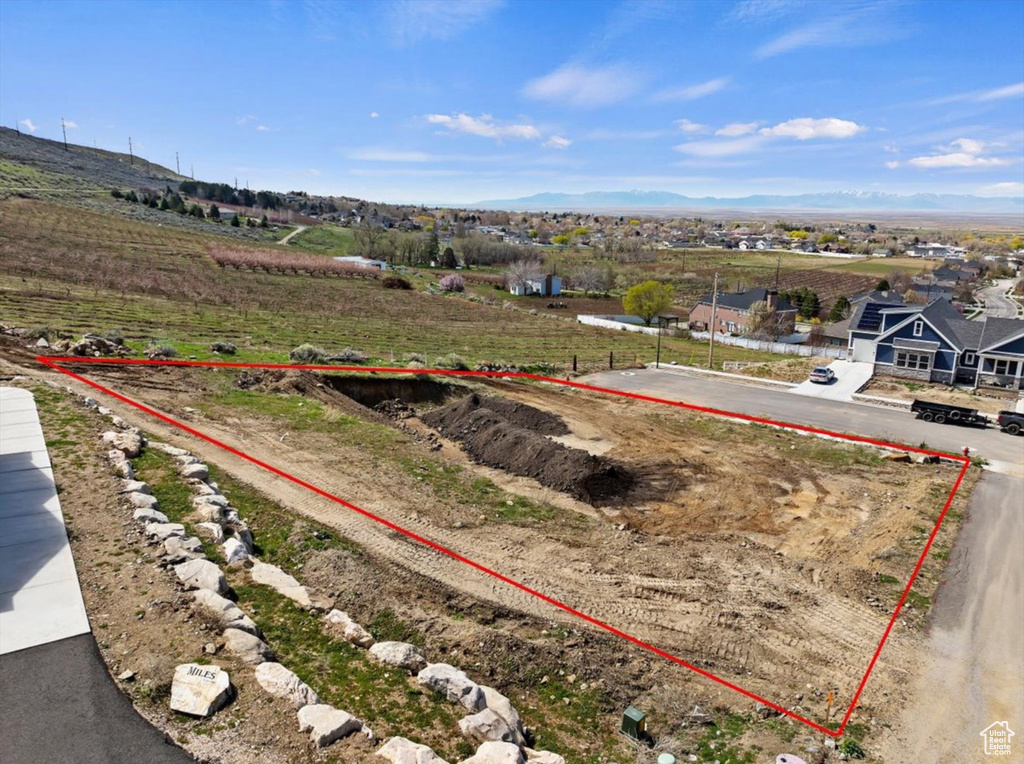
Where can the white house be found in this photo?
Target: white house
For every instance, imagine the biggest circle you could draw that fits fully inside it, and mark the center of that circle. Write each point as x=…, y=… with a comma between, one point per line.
x=545, y=286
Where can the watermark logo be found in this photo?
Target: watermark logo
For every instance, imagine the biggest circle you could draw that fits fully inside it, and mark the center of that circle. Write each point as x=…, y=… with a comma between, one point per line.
x=997, y=739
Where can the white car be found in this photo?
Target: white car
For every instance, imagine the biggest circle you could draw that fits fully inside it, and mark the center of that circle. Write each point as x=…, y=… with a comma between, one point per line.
x=823, y=375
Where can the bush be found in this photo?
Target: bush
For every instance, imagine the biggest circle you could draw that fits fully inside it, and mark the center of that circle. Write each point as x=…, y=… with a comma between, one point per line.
x=451, y=361
x=116, y=193
x=415, y=358
x=851, y=749
x=235, y=223
x=396, y=282
x=453, y=282
x=306, y=353
x=160, y=351
x=349, y=355
x=114, y=335
x=225, y=348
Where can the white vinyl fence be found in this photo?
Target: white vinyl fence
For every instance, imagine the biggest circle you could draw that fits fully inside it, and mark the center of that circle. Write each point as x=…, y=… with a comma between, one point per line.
x=783, y=348
x=607, y=323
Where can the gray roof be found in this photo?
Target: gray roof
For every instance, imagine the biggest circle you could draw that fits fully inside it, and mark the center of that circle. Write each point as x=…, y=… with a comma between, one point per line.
x=998, y=330
x=915, y=344
x=743, y=300
x=946, y=319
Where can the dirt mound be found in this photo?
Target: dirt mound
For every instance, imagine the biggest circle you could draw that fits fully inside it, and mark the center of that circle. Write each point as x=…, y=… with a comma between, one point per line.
x=508, y=436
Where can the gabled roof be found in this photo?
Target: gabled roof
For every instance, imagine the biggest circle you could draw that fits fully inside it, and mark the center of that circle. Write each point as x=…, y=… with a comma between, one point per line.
x=743, y=300
x=998, y=331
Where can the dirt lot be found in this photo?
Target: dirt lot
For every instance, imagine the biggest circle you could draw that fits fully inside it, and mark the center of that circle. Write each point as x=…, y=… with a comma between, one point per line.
x=770, y=559
x=987, y=401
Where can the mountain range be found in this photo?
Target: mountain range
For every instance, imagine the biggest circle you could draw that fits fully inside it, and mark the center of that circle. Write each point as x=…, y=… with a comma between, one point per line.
x=837, y=201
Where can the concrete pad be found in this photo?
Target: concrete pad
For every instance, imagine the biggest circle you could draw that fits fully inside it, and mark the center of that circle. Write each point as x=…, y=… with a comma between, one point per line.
x=40, y=598
x=851, y=376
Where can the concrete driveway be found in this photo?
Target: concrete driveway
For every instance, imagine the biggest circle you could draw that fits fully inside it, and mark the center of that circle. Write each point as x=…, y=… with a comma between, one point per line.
x=851, y=376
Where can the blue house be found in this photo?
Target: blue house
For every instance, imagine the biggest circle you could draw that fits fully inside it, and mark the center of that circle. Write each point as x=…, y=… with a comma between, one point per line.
x=935, y=343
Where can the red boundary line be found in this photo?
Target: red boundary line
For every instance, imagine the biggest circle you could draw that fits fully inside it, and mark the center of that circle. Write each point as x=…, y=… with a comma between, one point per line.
x=54, y=362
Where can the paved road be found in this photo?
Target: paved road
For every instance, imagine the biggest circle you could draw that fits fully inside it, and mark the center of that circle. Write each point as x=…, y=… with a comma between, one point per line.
x=298, y=229
x=58, y=705
x=997, y=304
x=975, y=673
x=888, y=424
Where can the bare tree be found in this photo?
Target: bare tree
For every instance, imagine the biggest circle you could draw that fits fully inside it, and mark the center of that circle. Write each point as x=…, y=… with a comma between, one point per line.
x=592, y=278
x=764, y=322
x=370, y=238
x=521, y=272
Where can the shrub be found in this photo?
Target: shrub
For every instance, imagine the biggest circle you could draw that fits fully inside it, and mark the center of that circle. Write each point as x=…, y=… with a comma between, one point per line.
x=116, y=193
x=396, y=282
x=306, y=353
x=114, y=335
x=160, y=351
x=235, y=223
x=225, y=348
x=453, y=282
x=451, y=361
x=349, y=355
x=851, y=749
x=415, y=358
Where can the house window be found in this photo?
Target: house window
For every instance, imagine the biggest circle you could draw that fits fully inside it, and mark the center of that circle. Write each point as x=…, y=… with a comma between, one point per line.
x=1004, y=366
x=969, y=358
x=918, y=361
x=918, y=328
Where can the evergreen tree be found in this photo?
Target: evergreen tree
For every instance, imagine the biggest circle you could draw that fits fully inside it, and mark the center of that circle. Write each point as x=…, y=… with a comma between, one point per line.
x=214, y=212
x=433, y=247
x=235, y=223
x=840, y=308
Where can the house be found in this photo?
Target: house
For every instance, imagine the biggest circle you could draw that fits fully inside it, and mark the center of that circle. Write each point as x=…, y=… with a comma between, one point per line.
x=838, y=334
x=733, y=311
x=545, y=286
x=881, y=253
x=935, y=343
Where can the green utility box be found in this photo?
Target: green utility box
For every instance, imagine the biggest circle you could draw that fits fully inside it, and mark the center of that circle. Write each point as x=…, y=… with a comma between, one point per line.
x=634, y=723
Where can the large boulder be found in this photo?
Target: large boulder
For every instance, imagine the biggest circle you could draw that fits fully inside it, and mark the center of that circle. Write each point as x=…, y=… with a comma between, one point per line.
x=487, y=725
x=350, y=630
x=281, y=582
x=454, y=685
x=282, y=683
x=163, y=531
x=503, y=707
x=134, y=486
x=147, y=516
x=143, y=500
x=199, y=690
x=129, y=442
x=400, y=654
x=496, y=753
x=167, y=448
x=247, y=647
x=212, y=531
x=181, y=548
x=327, y=724
x=234, y=551
x=209, y=513
x=226, y=613
x=212, y=498
x=399, y=750
x=201, y=574
x=197, y=471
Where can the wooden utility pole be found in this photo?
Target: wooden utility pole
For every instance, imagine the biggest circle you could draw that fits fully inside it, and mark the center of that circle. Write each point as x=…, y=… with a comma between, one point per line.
x=778, y=264
x=177, y=164
x=64, y=129
x=714, y=314
x=17, y=127
x=192, y=171
x=131, y=155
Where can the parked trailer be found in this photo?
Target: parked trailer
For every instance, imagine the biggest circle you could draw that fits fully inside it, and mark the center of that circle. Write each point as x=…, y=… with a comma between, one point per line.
x=942, y=413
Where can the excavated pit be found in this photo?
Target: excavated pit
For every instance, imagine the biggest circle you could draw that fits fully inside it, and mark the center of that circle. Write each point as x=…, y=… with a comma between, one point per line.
x=512, y=437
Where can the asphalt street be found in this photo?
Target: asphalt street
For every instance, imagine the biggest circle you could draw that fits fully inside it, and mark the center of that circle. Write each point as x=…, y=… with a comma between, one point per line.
x=58, y=705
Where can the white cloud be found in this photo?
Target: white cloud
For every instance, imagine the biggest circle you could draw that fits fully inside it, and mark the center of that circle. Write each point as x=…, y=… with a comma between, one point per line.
x=262, y=129
x=724, y=148
x=854, y=23
x=1006, y=188
x=29, y=125
x=690, y=127
x=410, y=21
x=557, y=142
x=70, y=125
x=806, y=128
x=981, y=96
x=585, y=87
x=963, y=152
x=484, y=126
x=750, y=10
x=691, y=92
x=891, y=148
x=374, y=115
x=892, y=165
x=736, y=129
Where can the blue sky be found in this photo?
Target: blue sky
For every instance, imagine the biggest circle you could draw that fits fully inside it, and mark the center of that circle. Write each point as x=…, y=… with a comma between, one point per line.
x=424, y=100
